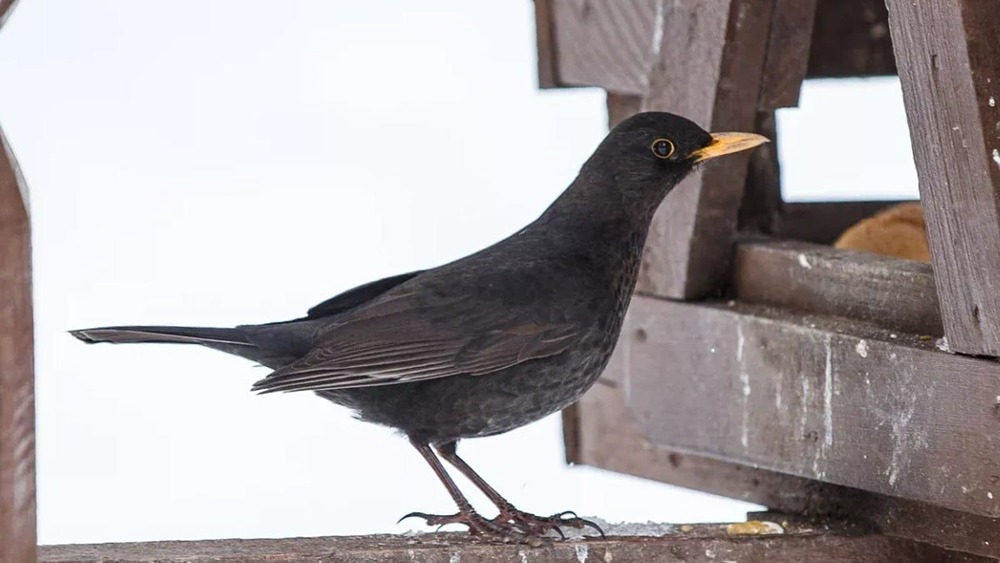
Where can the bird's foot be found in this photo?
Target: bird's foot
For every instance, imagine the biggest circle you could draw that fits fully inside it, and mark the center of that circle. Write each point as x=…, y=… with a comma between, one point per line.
x=479, y=526
x=534, y=525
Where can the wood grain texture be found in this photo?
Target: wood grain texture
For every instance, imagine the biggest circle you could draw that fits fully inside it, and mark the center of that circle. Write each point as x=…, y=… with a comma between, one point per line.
x=713, y=77
x=948, y=54
x=898, y=295
x=851, y=39
x=6, y=8
x=608, y=44
x=702, y=543
x=17, y=412
x=787, y=53
x=832, y=400
x=601, y=431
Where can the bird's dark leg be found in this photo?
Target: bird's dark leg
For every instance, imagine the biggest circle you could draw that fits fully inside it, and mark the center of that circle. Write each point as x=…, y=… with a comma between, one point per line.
x=532, y=524
x=466, y=514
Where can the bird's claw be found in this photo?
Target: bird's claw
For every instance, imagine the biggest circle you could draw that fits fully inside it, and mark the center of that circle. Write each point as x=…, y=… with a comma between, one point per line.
x=539, y=525
x=477, y=525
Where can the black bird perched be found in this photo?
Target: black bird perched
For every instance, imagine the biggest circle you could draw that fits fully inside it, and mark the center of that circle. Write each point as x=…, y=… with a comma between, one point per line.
x=492, y=341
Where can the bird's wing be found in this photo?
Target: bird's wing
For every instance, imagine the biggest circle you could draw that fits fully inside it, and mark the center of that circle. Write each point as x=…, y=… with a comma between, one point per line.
x=357, y=296
x=419, y=332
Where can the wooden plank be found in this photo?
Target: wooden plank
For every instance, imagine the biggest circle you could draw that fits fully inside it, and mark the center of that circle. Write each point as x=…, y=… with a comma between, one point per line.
x=787, y=53
x=949, y=65
x=621, y=107
x=545, y=43
x=762, y=202
x=6, y=8
x=898, y=295
x=601, y=431
x=827, y=399
x=851, y=39
x=822, y=222
x=701, y=543
x=618, y=45
x=608, y=44
x=713, y=77
x=17, y=410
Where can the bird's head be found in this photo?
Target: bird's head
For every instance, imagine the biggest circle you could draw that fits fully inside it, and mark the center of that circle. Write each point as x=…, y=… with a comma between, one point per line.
x=646, y=155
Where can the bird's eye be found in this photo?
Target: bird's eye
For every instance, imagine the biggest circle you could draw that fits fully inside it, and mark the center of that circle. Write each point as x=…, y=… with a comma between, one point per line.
x=662, y=148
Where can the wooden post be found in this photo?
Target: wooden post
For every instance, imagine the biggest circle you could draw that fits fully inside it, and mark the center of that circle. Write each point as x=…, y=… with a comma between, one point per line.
x=948, y=54
x=710, y=71
x=17, y=376
x=17, y=412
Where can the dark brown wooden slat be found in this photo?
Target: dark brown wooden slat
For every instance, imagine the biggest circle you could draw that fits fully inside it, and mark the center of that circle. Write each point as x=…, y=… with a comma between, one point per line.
x=838, y=401
x=787, y=53
x=545, y=44
x=713, y=77
x=601, y=431
x=17, y=411
x=762, y=202
x=851, y=39
x=823, y=222
x=620, y=107
x=6, y=8
x=898, y=295
x=701, y=543
x=949, y=65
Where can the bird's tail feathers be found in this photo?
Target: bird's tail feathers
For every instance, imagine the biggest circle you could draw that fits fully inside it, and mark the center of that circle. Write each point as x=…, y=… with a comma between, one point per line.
x=206, y=336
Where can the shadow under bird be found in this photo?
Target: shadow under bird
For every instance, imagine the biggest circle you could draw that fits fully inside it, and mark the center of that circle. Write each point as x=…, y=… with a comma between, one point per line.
x=492, y=341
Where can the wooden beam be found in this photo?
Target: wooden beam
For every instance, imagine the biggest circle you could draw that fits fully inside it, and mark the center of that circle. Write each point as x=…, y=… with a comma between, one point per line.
x=6, y=8
x=602, y=432
x=713, y=76
x=787, y=53
x=898, y=295
x=17, y=407
x=949, y=65
x=851, y=39
x=823, y=398
x=699, y=543
x=612, y=45
x=545, y=43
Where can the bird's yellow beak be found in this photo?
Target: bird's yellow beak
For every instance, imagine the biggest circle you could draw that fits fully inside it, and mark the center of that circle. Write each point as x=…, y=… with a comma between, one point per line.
x=726, y=143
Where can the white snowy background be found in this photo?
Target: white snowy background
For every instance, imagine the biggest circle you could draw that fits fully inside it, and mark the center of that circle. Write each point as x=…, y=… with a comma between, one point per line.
x=224, y=162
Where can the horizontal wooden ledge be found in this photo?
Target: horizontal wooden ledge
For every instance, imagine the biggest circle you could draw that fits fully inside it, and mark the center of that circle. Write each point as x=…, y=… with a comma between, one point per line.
x=797, y=542
x=899, y=295
x=601, y=431
x=826, y=399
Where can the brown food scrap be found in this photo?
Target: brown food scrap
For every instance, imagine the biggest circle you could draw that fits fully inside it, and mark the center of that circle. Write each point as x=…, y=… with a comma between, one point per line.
x=897, y=231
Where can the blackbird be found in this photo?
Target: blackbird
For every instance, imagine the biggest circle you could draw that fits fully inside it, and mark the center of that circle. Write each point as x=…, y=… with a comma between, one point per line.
x=492, y=341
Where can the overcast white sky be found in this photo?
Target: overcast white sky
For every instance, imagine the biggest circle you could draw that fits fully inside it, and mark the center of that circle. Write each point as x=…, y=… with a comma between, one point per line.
x=225, y=162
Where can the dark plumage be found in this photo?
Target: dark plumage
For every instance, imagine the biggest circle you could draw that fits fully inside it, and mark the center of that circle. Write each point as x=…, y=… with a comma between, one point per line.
x=492, y=341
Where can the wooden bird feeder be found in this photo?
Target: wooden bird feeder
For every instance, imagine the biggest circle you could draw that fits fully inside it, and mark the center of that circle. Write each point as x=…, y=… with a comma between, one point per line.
x=757, y=361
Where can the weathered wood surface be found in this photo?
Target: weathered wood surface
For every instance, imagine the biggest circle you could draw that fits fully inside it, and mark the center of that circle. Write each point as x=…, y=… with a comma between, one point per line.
x=601, y=431
x=851, y=39
x=948, y=54
x=614, y=45
x=837, y=401
x=713, y=77
x=17, y=411
x=787, y=53
x=702, y=543
x=898, y=295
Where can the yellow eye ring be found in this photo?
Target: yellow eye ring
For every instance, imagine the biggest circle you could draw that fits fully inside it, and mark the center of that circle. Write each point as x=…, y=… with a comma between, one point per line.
x=662, y=148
